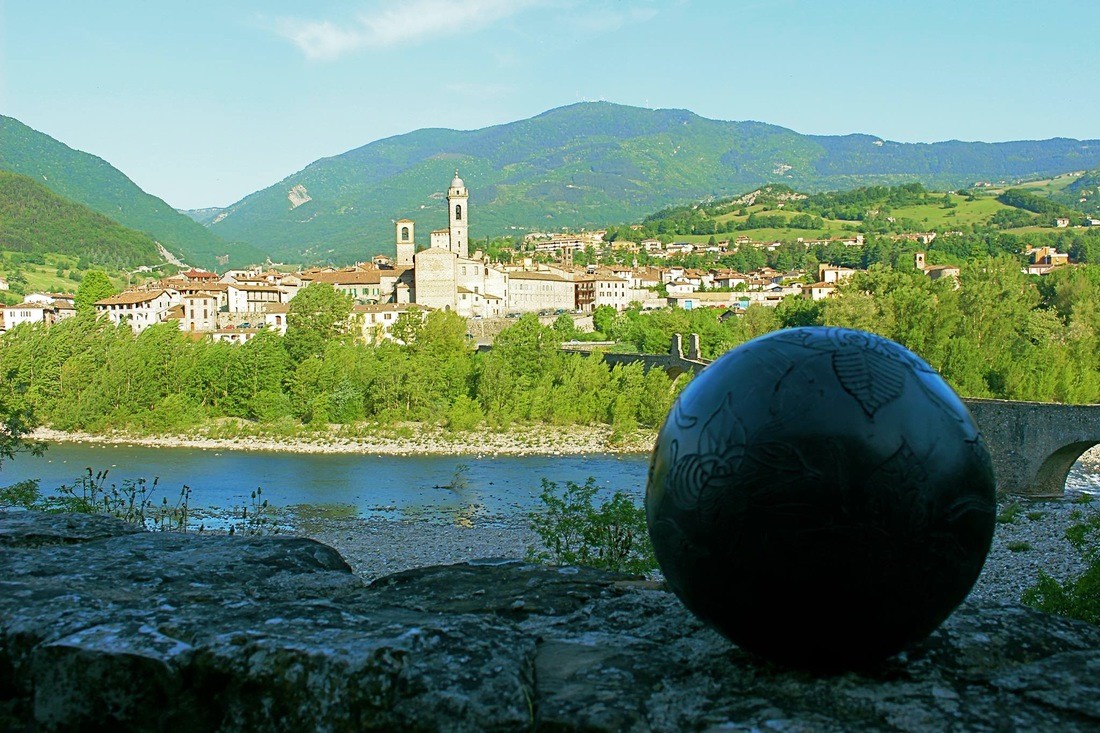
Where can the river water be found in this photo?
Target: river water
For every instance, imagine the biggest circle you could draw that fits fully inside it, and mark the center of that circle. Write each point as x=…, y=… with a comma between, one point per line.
x=395, y=487
x=433, y=488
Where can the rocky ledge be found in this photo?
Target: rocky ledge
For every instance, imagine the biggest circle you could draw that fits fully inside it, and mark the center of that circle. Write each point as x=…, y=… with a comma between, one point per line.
x=105, y=628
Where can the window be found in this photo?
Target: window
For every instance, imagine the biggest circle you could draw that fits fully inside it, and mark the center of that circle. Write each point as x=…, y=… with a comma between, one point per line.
x=404, y=234
x=458, y=212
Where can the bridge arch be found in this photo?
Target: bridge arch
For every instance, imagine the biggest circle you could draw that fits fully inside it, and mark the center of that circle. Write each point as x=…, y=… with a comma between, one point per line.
x=1050, y=479
x=1035, y=444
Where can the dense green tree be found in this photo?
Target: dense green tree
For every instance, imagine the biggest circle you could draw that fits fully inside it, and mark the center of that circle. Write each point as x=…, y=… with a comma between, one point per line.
x=317, y=315
x=17, y=421
x=95, y=285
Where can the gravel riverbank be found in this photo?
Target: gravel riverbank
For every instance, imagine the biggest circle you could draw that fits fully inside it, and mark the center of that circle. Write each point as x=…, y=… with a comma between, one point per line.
x=374, y=547
x=397, y=440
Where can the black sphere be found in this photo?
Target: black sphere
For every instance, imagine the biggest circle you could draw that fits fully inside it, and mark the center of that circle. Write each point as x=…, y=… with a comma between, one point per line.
x=821, y=497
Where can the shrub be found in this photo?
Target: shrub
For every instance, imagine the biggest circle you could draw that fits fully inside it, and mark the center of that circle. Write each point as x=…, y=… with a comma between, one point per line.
x=464, y=414
x=131, y=502
x=23, y=493
x=574, y=531
x=1077, y=597
x=270, y=405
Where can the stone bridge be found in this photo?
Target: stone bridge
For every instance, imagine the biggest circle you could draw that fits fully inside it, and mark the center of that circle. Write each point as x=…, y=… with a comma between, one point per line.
x=1033, y=444
x=675, y=362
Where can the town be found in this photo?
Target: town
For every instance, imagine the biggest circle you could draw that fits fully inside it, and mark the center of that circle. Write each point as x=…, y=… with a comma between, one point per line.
x=237, y=304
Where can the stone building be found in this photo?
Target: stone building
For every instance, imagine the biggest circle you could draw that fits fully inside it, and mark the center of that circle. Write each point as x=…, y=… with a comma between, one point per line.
x=444, y=275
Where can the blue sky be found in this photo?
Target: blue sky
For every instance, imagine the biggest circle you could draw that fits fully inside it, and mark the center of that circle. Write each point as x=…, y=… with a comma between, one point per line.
x=203, y=102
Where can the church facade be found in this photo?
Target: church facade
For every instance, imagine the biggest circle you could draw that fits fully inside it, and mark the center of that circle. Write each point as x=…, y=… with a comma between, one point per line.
x=445, y=276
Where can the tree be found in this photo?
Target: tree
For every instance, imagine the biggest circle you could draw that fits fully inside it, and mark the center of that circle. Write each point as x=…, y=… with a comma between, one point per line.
x=16, y=422
x=317, y=315
x=603, y=319
x=94, y=286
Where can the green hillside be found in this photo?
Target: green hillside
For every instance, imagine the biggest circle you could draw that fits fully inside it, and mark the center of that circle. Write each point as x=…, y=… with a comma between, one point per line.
x=1082, y=194
x=36, y=221
x=592, y=164
x=776, y=212
x=92, y=181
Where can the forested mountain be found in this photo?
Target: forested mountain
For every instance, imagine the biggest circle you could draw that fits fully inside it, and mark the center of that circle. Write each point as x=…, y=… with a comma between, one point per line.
x=35, y=220
x=202, y=216
x=594, y=164
x=97, y=184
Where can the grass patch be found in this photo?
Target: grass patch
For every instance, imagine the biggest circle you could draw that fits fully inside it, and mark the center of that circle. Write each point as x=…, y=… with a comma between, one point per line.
x=1018, y=546
x=965, y=212
x=1009, y=514
x=1078, y=597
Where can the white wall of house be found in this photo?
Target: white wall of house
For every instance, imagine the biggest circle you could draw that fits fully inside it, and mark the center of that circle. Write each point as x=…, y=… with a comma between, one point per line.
x=533, y=291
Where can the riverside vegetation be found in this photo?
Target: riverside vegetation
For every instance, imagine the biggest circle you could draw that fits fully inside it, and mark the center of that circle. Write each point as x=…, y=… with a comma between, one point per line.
x=996, y=333
x=1077, y=597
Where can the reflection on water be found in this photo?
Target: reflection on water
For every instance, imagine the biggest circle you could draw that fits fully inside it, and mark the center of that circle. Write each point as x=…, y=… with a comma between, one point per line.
x=314, y=487
x=451, y=489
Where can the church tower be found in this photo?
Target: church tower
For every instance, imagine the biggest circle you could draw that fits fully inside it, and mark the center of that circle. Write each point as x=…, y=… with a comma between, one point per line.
x=459, y=217
x=406, y=246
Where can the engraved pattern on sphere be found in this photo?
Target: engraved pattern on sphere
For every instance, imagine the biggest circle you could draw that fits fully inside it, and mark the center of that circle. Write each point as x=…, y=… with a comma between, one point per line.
x=820, y=496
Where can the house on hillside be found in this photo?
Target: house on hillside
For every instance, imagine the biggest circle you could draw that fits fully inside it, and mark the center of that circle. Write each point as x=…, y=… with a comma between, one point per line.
x=363, y=285
x=538, y=291
x=138, y=308
x=820, y=290
x=1044, y=260
x=253, y=298
x=376, y=320
x=16, y=315
x=831, y=274
x=200, y=312
x=935, y=272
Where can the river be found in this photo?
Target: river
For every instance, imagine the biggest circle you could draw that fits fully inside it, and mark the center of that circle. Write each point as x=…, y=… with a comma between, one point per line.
x=394, y=487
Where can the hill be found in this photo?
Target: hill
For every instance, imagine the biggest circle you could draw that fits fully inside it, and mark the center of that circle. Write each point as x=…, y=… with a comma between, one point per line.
x=36, y=221
x=589, y=165
x=92, y=181
x=1083, y=194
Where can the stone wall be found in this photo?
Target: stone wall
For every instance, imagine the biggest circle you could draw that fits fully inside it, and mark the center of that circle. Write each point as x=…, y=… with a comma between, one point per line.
x=106, y=628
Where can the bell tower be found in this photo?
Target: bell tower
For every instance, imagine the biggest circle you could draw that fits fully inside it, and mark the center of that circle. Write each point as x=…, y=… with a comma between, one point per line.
x=459, y=216
x=406, y=246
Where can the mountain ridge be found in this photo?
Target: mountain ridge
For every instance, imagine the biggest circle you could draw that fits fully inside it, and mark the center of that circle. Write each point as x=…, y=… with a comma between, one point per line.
x=87, y=179
x=593, y=164
x=36, y=221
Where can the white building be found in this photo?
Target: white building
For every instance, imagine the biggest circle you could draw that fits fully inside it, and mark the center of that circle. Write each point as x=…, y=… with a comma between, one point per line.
x=253, y=298
x=16, y=315
x=138, y=308
x=613, y=290
x=536, y=291
x=200, y=312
